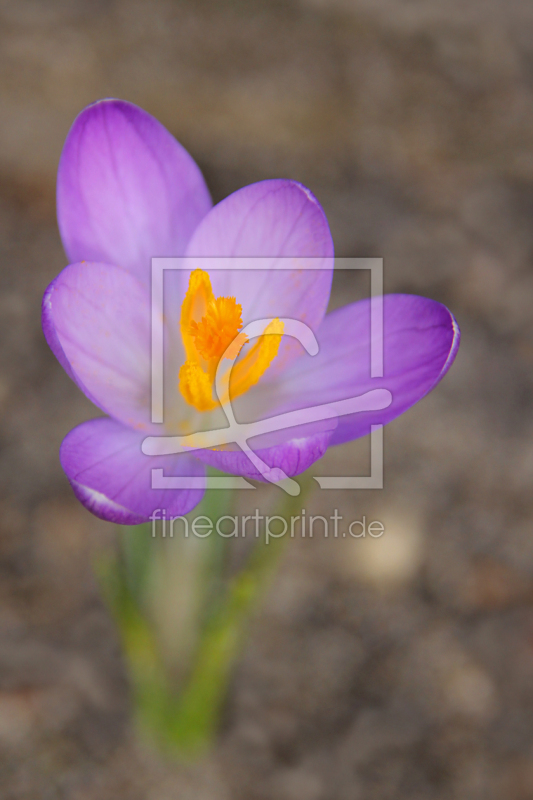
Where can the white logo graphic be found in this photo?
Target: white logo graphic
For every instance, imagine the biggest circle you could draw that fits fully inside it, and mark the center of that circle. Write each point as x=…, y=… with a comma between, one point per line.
x=240, y=433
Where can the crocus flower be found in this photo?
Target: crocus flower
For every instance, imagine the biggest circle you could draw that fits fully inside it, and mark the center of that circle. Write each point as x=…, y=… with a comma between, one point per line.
x=126, y=192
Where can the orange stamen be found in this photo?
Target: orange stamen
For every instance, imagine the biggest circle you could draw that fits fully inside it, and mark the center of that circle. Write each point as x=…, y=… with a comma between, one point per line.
x=209, y=326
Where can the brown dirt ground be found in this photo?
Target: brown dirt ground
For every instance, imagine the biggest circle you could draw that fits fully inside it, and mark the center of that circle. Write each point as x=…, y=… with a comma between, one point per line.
x=387, y=669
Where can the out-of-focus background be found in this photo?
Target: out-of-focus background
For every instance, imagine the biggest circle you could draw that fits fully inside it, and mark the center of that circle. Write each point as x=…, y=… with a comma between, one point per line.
x=392, y=668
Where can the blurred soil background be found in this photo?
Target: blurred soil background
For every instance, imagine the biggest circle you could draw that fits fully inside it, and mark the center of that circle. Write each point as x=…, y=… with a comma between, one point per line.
x=379, y=669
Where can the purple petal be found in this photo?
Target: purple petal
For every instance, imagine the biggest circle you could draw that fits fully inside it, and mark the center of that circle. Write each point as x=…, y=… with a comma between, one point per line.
x=96, y=319
x=293, y=456
x=126, y=190
x=421, y=339
x=112, y=478
x=274, y=221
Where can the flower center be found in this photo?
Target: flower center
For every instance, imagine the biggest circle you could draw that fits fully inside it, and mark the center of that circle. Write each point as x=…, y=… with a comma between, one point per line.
x=218, y=327
x=209, y=325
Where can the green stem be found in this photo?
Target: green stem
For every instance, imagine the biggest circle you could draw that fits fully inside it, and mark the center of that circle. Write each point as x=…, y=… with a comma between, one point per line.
x=183, y=721
x=200, y=706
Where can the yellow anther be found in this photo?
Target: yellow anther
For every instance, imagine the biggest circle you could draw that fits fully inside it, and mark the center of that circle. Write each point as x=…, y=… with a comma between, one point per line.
x=209, y=326
x=218, y=327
